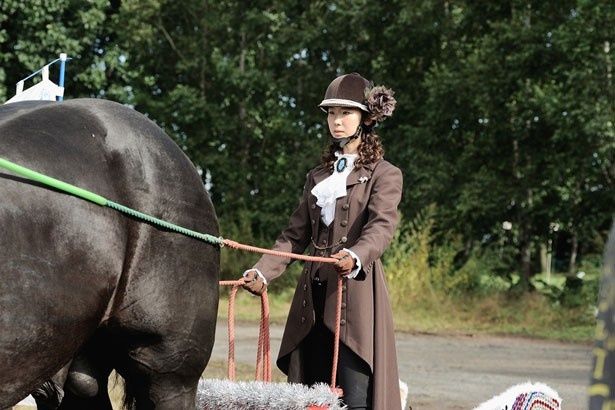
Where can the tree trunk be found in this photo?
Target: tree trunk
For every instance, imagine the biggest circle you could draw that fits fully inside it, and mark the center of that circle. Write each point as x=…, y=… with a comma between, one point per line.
x=525, y=253
x=572, y=263
x=544, y=258
x=526, y=264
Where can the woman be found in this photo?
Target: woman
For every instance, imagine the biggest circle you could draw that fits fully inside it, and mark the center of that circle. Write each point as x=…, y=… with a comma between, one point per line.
x=349, y=212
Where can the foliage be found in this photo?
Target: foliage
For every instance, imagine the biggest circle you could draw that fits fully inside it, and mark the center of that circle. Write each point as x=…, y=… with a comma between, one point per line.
x=430, y=293
x=505, y=112
x=505, y=136
x=417, y=269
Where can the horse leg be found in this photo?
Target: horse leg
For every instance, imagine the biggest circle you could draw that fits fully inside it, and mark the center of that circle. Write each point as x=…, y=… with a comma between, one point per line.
x=162, y=378
x=165, y=325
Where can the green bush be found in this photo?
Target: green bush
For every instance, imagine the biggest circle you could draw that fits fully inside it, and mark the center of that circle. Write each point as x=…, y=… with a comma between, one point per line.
x=415, y=268
x=478, y=274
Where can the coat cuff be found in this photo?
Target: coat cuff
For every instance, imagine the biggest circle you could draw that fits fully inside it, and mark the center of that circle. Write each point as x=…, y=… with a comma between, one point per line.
x=258, y=272
x=353, y=274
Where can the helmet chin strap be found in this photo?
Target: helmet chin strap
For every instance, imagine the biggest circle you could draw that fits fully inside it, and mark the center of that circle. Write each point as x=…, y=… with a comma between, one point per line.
x=341, y=142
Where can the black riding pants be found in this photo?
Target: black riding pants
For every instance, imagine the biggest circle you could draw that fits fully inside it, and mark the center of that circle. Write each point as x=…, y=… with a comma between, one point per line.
x=353, y=373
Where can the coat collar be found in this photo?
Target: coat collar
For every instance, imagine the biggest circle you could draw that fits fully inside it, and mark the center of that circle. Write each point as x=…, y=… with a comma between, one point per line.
x=360, y=174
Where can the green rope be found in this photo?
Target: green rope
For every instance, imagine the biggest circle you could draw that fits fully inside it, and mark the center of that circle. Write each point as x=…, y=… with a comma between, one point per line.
x=168, y=225
x=52, y=182
x=99, y=200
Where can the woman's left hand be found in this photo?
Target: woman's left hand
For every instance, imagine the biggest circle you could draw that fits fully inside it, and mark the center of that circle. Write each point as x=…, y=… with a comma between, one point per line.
x=345, y=262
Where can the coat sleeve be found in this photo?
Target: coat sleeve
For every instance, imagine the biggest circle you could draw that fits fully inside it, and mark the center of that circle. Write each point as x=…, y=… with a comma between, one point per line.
x=382, y=217
x=295, y=238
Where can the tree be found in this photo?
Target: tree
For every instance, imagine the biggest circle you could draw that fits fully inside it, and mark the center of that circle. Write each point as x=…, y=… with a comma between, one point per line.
x=502, y=127
x=35, y=32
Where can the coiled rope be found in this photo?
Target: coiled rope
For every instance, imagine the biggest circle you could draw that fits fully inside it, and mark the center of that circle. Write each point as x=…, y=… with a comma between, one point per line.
x=263, y=355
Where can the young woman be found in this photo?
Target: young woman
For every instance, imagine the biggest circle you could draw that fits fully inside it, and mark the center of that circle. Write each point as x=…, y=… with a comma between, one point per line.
x=349, y=212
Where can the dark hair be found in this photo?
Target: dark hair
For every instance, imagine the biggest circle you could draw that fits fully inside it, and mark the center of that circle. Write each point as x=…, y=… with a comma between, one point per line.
x=370, y=149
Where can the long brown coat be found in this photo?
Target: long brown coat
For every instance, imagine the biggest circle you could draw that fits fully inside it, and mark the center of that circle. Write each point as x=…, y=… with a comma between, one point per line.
x=365, y=221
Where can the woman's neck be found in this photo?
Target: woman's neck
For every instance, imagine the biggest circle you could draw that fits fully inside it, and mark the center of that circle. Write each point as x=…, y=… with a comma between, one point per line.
x=352, y=147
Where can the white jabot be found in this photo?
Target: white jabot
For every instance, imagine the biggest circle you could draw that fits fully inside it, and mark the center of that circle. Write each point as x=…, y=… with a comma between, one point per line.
x=334, y=186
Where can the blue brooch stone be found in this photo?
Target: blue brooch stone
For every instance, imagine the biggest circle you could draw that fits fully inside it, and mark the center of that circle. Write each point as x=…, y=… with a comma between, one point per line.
x=341, y=164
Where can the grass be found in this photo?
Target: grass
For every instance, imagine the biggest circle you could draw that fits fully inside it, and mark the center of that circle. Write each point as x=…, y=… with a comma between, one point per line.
x=247, y=307
x=528, y=315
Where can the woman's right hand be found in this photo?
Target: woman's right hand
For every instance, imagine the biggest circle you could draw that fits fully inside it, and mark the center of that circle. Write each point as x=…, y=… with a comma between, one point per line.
x=253, y=282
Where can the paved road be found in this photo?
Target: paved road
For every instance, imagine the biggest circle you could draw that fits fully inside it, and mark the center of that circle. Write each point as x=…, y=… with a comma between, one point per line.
x=460, y=372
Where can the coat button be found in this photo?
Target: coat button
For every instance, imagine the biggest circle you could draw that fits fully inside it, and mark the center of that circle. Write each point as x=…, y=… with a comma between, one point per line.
x=322, y=253
x=302, y=319
x=305, y=286
x=344, y=222
x=343, y=322
x=343, y=239
x=304, y=303
x=313, y=222
x=313, y=206
x=345, y=207
x=343, y=305
x=344, y=288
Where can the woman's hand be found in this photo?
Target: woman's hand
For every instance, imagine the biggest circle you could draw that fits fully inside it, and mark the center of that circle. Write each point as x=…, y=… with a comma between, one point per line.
x=254, y=283
x=345, y=263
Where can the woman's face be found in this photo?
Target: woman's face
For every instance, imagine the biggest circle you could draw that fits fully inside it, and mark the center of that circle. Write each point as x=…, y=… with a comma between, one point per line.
x=343, y=121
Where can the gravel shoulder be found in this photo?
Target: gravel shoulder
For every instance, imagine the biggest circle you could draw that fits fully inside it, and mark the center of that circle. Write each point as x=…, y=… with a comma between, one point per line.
x=459, y=372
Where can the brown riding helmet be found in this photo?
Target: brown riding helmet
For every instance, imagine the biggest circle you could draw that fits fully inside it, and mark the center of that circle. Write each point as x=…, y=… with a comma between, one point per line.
x=347, y=90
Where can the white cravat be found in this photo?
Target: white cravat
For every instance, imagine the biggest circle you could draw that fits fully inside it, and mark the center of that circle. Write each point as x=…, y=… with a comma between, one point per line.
x=334, y=186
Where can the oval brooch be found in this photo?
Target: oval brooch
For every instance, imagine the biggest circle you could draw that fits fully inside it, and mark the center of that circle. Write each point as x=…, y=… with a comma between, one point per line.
x=341, y=165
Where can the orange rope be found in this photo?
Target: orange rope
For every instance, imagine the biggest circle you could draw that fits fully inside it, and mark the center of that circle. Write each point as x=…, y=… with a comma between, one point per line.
x=263, y=356
x=249, y=248
x=336, y=339
x=231, y=325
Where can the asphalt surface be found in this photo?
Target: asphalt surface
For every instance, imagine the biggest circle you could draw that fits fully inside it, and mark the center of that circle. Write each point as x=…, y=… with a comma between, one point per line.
x=459, y=372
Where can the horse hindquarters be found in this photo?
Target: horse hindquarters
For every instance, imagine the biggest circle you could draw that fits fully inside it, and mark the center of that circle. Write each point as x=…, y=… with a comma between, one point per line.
x=165, y=325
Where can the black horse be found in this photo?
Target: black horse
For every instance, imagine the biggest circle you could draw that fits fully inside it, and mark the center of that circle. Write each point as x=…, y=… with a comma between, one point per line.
x=80, y=280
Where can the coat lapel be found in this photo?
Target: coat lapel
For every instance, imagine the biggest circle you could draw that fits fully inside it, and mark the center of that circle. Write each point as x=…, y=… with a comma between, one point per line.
x=360, y=175
x=320, y=174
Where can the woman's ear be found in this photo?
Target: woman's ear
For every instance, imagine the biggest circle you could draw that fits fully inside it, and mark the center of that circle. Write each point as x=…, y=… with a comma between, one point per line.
x=368, y=122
